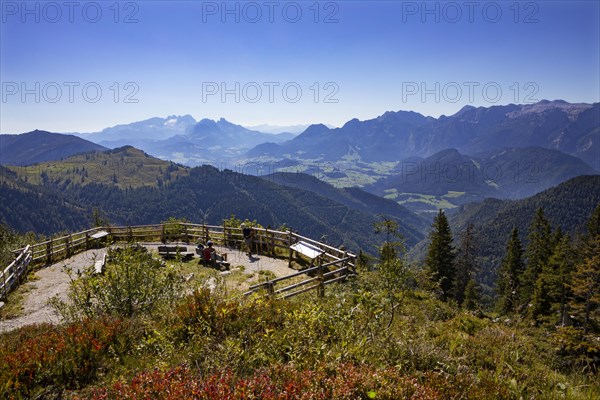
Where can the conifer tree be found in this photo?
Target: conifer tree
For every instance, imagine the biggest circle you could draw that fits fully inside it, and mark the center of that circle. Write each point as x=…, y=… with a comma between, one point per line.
x=471, y=295
x=563, y=262
x=440, y=254
x=539, y=250
x=97, y=219
x=552, y=286
x=509, y=282
x=465, y=266
x=585, y=284
x=392, y=268
x=557, y=235
x=586, y=289
x=388, y=251
x=362, y=261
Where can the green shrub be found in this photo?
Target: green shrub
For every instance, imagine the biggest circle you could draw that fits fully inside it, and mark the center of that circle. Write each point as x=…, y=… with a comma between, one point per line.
x=578, y=348
x=133, y=283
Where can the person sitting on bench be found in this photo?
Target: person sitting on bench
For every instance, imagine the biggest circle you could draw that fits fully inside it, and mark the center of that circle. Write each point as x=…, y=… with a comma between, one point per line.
x=199, y=249
x=211, y=257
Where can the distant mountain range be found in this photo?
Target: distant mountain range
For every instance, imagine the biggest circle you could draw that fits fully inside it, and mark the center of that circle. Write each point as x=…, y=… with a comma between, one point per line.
x=39, y=146
x=395, y=136
x=422, y=163
x=182, y=139
x=153, y=129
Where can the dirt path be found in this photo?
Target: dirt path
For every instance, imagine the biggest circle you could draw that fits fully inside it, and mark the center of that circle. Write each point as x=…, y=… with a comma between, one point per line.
x=54, y=280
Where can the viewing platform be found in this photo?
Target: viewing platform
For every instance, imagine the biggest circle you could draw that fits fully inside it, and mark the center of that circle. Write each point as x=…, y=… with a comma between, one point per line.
x=315, y=264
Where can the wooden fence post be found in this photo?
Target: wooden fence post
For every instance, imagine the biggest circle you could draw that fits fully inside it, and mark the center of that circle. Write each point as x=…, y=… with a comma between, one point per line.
x=3, y=287
x=224, y=234
x=185, y=234
x=290, y=247
x=269, y=242
x=68, y=241
x=49, y=252
x=87, y=241
x=321, y=280
x=205, y=233
x=15, y=271
x=345, y=263
x=27, y=265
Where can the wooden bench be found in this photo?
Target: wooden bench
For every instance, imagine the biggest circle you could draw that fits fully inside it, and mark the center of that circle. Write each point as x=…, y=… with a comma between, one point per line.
x=173, y=251
x=100, y=238
x=307, y=249
x=99, y=265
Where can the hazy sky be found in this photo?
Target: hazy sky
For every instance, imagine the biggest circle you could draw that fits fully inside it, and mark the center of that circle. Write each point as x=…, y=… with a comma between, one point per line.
x=83, y=66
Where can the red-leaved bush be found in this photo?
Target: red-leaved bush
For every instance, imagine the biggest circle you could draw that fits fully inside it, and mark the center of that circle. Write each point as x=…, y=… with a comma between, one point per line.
x=284, y=382
x=56, y=356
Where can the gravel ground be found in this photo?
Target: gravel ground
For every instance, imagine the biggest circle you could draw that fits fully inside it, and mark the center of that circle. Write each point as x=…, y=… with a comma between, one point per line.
x=53, y=280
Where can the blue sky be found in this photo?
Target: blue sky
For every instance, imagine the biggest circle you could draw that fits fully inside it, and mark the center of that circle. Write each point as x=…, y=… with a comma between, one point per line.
x=74, y=70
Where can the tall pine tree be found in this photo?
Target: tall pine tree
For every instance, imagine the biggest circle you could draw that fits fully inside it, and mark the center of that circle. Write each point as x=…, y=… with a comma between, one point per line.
x=539, y=250
x=585, y=285
x=392, y=268
x=440, y=255
x=552, y=287
x=471, y=295
x=509, y=281
x=563, y=262
x=465, y=266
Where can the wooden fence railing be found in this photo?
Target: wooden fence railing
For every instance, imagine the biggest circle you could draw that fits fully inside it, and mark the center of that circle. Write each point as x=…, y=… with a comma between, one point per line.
x=15, y=272
x=266, y=241
x=323, y=277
